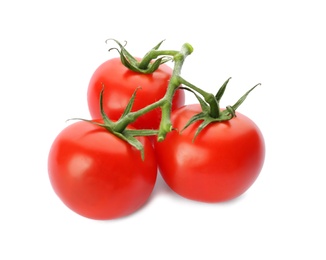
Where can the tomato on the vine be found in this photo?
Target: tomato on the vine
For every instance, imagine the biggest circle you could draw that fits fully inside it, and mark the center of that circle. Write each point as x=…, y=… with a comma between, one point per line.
x=121, y=82
x=98, y=175
x=220, y=164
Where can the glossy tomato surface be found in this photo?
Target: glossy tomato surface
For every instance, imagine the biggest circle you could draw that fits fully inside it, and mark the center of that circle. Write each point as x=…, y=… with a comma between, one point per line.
x=98, y=175
x=119, y=85
x=221, y=164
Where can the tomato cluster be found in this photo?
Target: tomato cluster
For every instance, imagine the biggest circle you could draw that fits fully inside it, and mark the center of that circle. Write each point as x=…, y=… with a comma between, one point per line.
x=100, y=176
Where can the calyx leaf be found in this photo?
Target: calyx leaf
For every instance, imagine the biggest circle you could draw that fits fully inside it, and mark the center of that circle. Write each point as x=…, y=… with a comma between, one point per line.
x=127, y=135
x=205, y=115
x=133, y=64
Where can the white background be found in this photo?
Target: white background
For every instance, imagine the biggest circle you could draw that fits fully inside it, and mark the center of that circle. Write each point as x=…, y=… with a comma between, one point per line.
x=48, y=53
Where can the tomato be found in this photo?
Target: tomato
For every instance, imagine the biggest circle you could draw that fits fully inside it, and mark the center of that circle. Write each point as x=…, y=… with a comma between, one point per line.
x=220, y=164
x=120, y=83
x=98, y=175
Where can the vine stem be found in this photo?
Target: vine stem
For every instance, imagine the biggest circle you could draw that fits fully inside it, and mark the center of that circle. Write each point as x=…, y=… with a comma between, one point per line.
x=165, y=103
x=153, y=55
x=209, y=98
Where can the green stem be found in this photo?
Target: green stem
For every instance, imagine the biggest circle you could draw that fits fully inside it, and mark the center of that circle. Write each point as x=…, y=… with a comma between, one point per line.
x=209, y=98
x=123, y=122
x=165, y=102
x=179, y=58
x=153, y=54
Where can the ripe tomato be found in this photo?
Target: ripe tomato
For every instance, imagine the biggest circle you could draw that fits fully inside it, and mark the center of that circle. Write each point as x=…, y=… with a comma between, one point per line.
x=220, y=164
x=120, y=83
x=98, y=175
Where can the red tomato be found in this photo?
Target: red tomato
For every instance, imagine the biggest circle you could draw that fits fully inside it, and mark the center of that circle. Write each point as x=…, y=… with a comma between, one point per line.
x=120, y=83
x=98, y=175
x=221, y=164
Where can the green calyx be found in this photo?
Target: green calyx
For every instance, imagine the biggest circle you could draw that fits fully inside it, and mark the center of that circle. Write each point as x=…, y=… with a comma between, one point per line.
x=210, y=105
x=128, y=135
x=146, y=65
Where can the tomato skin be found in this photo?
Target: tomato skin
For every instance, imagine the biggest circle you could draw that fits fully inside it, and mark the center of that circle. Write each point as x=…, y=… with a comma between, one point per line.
x=120, y=83
x=221, y=164
x=98, y=175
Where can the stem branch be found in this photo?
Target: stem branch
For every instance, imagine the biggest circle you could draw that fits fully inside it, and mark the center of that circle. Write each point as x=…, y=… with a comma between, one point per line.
x=153, y=54
x=209, y=97
x=165, y=103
